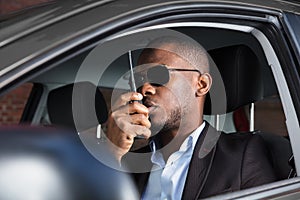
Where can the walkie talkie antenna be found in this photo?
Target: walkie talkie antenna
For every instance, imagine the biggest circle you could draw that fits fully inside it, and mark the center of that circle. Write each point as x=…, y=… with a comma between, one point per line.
x=132, y=81
x=132, y=84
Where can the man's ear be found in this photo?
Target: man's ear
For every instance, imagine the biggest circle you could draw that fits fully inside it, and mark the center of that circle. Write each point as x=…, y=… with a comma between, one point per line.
x=204, y=84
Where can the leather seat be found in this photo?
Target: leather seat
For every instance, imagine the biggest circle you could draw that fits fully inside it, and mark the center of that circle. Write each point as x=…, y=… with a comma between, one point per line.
x=237, y=79
x=78, y=106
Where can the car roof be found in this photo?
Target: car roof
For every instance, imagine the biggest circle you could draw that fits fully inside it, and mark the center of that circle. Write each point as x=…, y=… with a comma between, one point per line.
x=51, y=11
x=61, y=7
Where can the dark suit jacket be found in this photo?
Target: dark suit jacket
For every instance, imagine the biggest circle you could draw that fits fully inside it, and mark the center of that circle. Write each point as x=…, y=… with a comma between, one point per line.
x=222, y=163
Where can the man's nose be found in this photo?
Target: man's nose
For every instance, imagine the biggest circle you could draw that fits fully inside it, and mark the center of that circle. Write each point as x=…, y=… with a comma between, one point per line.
x=147, y=89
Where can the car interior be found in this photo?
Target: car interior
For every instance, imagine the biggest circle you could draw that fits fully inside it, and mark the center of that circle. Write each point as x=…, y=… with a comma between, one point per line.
x=244, y=93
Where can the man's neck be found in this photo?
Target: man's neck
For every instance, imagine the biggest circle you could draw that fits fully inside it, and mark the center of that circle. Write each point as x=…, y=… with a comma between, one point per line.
x=170, y=141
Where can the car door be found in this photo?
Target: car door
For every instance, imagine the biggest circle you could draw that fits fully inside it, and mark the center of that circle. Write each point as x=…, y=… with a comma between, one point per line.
x=99, y=54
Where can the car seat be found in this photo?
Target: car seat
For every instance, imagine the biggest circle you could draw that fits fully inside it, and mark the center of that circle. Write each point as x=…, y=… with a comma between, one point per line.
x=238, y=76
x=79, y=106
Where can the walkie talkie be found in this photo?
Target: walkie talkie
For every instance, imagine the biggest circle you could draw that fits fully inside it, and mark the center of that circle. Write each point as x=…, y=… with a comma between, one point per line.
x=133, y=85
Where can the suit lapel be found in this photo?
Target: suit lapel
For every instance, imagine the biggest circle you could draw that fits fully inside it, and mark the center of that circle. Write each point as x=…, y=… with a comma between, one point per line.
x=201, y=162
x=141, y=180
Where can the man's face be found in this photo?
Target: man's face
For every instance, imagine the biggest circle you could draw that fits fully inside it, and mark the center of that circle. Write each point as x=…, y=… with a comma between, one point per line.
x=169, y=104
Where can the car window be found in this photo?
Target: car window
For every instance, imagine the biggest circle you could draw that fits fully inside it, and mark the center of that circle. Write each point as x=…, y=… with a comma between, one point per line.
x=70, y=75
x=108, y=73
x=270, y=108
x=13, y=103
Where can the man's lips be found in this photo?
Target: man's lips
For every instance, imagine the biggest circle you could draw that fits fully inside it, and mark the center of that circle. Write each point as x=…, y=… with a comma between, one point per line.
x=150, y=105
x=151, y=109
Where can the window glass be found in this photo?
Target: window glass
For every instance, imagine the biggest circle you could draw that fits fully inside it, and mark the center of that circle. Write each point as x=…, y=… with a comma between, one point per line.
x=292, y=22
x=269, y=116
x=13, y=103
x=109, y=73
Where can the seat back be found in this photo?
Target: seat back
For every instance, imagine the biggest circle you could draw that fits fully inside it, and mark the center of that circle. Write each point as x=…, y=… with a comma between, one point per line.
x=280, y=153
x=236, y=70
x=240, y=73
x=78, y=106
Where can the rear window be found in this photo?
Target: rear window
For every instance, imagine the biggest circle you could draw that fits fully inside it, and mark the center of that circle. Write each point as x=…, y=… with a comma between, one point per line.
x=13, y=103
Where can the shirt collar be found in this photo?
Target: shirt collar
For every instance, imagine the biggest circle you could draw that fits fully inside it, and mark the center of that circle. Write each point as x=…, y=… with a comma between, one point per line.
x=196, y=133
x=189, y=142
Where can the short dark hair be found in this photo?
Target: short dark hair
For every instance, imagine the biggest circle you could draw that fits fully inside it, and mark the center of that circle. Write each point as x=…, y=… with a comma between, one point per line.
x=187, y=48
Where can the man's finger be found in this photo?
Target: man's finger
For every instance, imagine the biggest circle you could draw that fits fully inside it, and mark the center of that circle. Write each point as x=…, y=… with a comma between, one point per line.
x=126, y=98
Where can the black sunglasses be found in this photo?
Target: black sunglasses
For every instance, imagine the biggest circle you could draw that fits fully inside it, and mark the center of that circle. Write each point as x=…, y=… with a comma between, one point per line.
x=157, y=75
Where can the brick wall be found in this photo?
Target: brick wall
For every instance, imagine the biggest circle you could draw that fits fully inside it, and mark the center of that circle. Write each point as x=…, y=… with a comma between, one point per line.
x=12, y=104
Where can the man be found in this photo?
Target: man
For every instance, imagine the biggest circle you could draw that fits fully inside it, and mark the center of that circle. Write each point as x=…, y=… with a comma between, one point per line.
x=189, y=158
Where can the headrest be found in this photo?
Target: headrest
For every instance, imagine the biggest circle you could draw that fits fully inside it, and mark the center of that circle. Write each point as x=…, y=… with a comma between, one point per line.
x=78, y=105
x=238, y=68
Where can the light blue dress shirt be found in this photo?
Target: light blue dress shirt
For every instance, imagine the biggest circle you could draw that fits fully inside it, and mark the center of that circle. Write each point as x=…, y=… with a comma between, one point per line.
x=167, y=180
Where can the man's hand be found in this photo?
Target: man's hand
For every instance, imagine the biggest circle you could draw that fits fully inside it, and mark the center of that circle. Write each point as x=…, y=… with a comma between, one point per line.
x=128, y=119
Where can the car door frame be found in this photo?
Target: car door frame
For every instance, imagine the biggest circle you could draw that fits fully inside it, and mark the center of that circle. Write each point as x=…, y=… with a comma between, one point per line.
x=206, y=12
